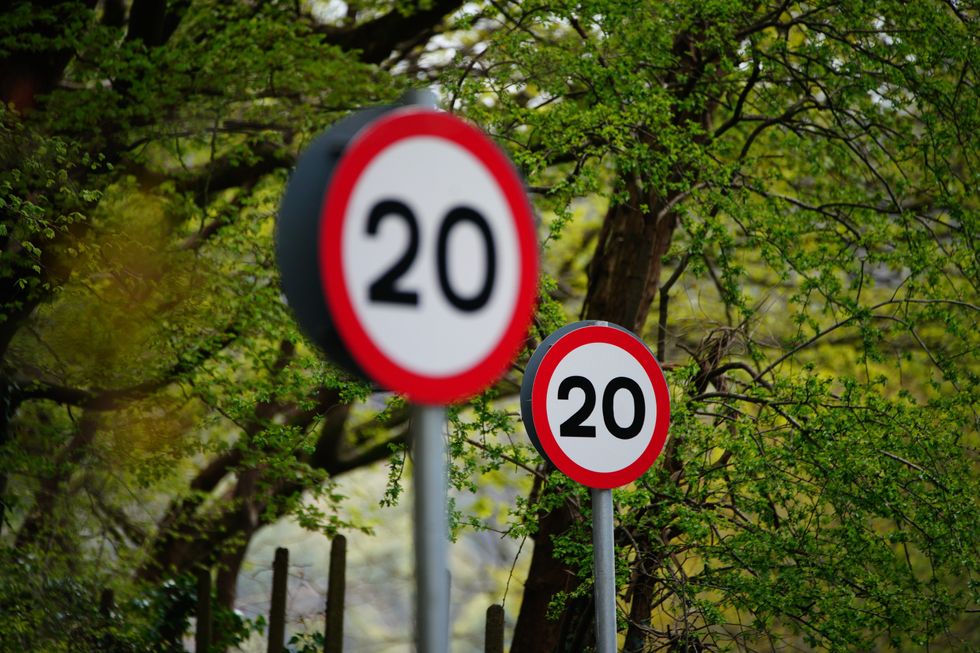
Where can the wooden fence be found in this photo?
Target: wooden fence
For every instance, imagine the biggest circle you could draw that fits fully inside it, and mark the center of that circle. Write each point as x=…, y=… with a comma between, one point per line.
x=333, y=632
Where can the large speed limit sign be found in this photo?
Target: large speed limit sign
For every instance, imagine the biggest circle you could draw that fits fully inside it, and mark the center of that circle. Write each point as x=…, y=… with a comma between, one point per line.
x=426, y=256
x=595, y=403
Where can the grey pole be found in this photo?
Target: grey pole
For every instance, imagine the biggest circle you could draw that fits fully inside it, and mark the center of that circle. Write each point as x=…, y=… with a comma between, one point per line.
x=420, y=96
x=605, y=571
x=431, y=530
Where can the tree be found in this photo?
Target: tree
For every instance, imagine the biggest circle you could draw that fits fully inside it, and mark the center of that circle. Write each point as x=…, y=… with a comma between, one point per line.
x=777, y=196
x=147, y=357
x=803, y=159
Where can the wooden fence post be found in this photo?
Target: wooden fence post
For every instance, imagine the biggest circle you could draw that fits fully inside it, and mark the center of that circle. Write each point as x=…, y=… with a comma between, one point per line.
x=333, y=635
x=107, y=603
x=494, y=639
x=202, y=633
x=277, y=611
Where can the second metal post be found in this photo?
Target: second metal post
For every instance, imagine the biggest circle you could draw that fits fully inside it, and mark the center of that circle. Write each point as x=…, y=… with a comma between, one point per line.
x=431, y=530
x=604, y=567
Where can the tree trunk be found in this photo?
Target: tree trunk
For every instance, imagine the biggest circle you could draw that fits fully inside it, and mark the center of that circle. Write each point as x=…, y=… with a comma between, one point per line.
x=6, y=412
x=534, y=631
x=43, y=521
x=625, y=270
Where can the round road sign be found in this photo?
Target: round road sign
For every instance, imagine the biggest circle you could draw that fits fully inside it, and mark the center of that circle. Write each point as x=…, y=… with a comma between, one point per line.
x=428, y=255
x=595, y=403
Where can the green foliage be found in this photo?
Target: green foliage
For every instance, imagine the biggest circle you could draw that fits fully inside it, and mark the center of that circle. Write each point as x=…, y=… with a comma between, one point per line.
x=807, y=557
x=822, y=329
x=307, y=643
x=147, y=337
x=42, y=204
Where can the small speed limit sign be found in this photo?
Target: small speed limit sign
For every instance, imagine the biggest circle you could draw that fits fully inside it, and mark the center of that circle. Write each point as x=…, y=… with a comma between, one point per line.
x=595, y=403
x=428, y=255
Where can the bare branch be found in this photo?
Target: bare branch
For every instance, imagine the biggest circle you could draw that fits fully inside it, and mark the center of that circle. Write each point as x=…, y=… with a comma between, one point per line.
x=378, y=39
x=740, y=103
x=100, y=399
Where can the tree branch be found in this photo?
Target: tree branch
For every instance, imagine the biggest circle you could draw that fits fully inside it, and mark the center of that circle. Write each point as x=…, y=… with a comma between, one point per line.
x=378, y=39
x=740, y=103
x=99, y=399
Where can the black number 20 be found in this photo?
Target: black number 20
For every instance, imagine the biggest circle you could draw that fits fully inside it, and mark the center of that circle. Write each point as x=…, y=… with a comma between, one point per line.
x=385, y=288
x=573, y=427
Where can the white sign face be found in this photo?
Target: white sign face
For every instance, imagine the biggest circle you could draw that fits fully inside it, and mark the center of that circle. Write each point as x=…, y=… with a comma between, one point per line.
x=428, y=256
x=595, y=403
x=597, y=377
x=413, y=319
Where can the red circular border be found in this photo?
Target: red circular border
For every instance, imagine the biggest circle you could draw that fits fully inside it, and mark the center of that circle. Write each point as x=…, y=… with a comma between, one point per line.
x=539, y=394
x=384, y=132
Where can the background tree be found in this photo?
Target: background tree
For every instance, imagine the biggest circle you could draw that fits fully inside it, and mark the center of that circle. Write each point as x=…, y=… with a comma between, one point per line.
x=779, y=197
x=157, y=396
x=807, y=165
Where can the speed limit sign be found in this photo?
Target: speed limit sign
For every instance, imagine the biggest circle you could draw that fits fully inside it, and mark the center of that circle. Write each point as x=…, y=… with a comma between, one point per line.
x=407, y=251
x=426, y=255
x=595, y=403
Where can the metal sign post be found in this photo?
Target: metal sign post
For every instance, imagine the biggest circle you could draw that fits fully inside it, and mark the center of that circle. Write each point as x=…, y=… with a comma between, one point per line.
x=431, y=529
x=604, y=568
